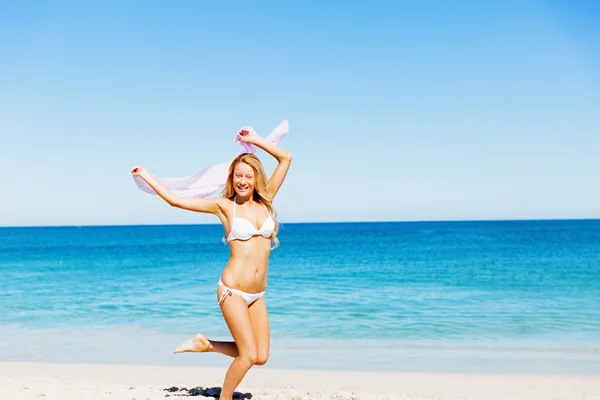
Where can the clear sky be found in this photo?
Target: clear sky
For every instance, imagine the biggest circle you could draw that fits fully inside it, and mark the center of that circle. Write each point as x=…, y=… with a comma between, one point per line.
x=399, y=111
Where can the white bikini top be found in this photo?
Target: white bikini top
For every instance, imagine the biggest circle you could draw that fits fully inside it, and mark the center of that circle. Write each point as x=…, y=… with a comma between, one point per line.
x=243, y=229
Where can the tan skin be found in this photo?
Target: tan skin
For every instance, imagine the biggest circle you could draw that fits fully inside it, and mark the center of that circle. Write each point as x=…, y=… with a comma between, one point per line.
x=246, y=269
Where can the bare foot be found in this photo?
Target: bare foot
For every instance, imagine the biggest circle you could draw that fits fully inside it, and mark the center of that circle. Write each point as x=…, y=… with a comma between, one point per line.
x=197, y=344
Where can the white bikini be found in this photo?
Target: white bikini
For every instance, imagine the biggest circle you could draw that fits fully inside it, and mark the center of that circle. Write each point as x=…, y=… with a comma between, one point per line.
x=242, y=229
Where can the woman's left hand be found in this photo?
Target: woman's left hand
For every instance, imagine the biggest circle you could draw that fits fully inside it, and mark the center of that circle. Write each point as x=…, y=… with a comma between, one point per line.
x=247, y=136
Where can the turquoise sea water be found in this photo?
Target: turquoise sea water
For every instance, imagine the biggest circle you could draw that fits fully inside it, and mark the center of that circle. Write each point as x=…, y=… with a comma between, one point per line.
x=510, y=296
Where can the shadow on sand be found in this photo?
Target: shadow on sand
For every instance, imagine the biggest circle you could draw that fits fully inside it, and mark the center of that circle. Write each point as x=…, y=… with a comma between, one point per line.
x=206, y=392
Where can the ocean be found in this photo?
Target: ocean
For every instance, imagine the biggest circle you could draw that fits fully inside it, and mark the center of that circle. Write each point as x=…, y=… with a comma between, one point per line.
x=487, y=296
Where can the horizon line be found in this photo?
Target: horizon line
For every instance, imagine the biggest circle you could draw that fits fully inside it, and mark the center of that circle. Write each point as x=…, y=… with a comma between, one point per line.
x=312, y=222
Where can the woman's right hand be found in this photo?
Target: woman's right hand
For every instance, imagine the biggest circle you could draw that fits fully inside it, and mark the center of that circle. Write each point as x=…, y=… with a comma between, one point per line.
x=138, y=171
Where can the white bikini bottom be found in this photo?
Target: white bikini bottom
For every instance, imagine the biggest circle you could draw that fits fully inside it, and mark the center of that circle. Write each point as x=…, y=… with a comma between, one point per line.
x=249, y=297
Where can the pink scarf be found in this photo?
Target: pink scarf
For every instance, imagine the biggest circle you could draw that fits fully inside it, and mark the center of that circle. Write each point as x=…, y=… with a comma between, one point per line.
x=211, y=179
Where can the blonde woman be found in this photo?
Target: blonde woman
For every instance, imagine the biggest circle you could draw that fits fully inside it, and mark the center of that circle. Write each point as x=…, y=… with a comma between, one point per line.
x=249, y=219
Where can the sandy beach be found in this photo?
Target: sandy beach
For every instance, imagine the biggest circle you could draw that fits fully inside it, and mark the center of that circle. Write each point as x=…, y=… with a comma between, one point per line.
x=22, y=381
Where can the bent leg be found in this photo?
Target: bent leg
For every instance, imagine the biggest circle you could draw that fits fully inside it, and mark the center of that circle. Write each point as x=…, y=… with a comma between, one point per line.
x=237, y=318
x=200, y=344
x=261, y=329
x=227, y=348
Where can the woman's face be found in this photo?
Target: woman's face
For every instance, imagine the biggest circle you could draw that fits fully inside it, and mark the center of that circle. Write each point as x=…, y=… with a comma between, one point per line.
x=243, y=179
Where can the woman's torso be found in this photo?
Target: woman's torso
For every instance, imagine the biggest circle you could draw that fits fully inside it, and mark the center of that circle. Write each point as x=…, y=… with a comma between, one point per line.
x=248, y=234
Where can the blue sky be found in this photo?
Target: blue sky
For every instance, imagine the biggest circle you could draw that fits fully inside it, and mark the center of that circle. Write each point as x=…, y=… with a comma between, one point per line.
x=399, y=111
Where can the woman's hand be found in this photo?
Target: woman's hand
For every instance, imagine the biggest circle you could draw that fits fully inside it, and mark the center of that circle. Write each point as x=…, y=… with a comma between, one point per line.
x=138, y=171
x=247, y=136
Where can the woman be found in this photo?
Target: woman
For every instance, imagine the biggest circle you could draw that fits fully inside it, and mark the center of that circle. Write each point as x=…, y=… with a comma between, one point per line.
x=248, y=217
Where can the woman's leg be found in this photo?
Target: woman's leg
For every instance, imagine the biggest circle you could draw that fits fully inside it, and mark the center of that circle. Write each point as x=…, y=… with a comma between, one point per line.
x=237, y=317
x=227, y=348
x=260, y=326
x=200, y=344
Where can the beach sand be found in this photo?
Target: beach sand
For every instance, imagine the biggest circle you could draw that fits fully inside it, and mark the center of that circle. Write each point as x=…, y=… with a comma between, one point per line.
x=22, y=381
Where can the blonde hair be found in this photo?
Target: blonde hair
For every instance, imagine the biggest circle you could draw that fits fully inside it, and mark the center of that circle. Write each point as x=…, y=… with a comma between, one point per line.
x=260, y=194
